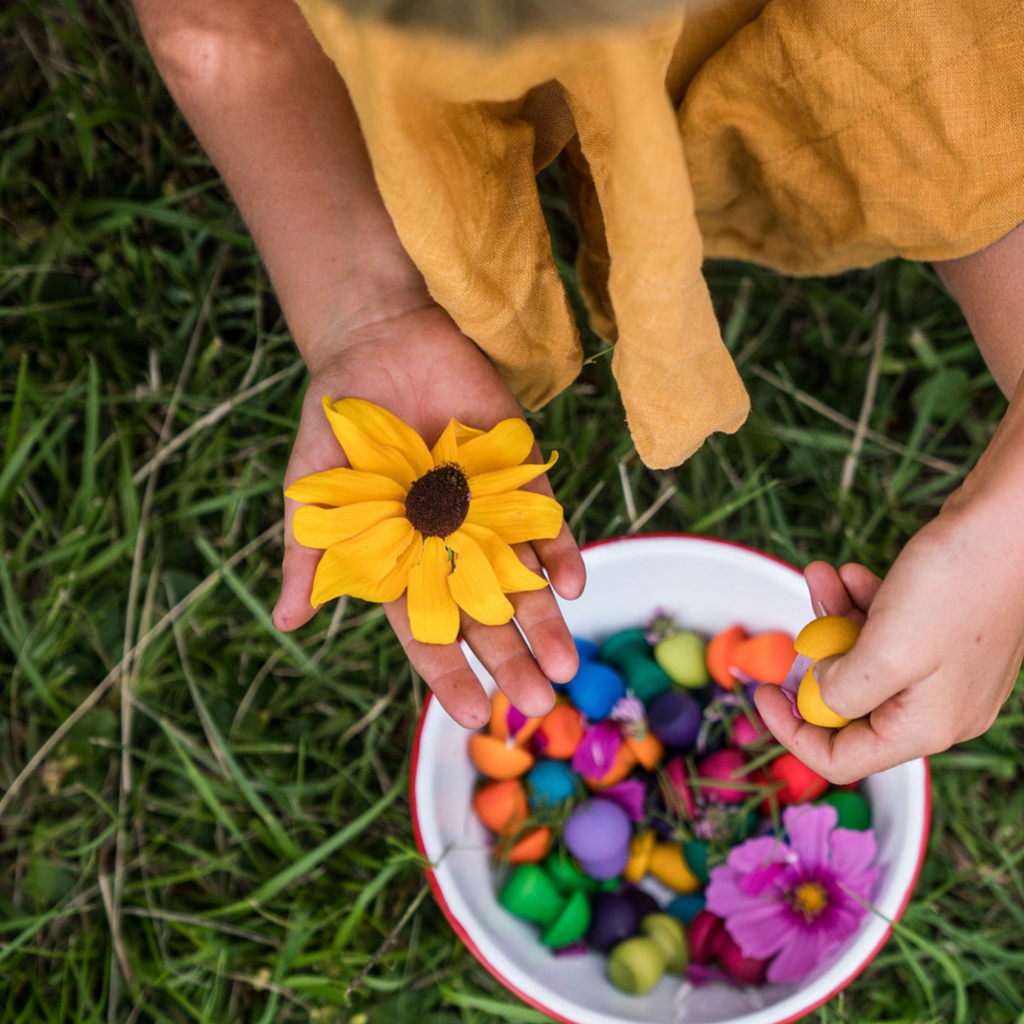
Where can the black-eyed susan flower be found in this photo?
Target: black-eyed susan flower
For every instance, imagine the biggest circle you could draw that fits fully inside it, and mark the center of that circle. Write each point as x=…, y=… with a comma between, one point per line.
x=438, y=523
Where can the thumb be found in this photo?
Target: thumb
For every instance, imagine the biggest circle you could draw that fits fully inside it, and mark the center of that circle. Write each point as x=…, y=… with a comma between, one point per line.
x=851, y=684
x=293, y=608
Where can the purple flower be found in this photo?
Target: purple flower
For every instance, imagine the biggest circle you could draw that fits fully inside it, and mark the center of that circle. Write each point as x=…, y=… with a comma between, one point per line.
x=791, y=684
x=797, y=901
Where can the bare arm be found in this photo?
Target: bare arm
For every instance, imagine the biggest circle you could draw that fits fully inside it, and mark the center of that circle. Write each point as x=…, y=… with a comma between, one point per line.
x=275, y=116
x=943, y=638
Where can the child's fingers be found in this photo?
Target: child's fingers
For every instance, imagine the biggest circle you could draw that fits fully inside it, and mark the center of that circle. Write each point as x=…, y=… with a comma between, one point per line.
x=560, y=555
x=540, y=618
x=829, y=595
x=861, y=584
x=563, y=563
x=503, y=652
x=444, y=669
x=840, y=755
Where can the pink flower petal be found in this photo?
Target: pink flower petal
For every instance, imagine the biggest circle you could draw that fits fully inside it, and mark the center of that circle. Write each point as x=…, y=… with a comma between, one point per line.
x=597, y=750
x=723, y=895
x=758, y=853
x=630, y=795
x=801, y=954
x=759, y=930
x=808, y=828
x=701, y=974
x=853, y=850
x=861, y=886
x=758, y=881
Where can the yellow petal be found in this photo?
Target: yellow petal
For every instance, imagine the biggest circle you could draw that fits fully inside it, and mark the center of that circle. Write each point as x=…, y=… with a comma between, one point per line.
x=392, y=587
x=517, y=516
x=359, y=565
x=502, y=480
x=464, y=433
x=316, y=527
x=506, y=445
x=513, y=576
x=474, y=585
x=447, y=447
x=345, y=486
x=386, y=428
x=366, y=453
x=433, y=613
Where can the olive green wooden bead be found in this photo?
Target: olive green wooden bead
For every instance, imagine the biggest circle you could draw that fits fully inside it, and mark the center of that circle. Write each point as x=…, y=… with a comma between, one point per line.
x=683, y=656
x=636, y=965
x=668, y=932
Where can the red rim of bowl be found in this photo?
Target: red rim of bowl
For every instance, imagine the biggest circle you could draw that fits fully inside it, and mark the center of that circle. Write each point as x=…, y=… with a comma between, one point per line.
x=526, y=997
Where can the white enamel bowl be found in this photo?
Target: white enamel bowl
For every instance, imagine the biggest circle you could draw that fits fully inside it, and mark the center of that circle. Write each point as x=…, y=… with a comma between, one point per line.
x=708, y=585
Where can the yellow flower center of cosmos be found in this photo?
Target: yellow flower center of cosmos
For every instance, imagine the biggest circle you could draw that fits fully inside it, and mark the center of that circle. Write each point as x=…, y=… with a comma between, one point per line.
x=810, y=899
x=438, y=502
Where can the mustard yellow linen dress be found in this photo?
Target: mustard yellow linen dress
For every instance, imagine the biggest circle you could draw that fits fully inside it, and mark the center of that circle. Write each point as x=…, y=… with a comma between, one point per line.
x=811, y=136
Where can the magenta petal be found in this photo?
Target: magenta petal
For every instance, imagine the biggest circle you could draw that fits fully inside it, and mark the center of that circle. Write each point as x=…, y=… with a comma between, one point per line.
x=576, y=949
x=853, y=850
x=755, y=882
x=808, y=827
x=515, y=720
x=844, y=921
x=597, y=750
x=801, y=954
x=861, y=886
x=758, y=853
x=701, y=974
x=723, y=895
x=760, y=930
x=630, y=795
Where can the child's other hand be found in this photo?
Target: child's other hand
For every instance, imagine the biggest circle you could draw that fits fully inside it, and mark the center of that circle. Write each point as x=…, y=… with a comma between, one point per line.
x=940, y=650
x=417, y=364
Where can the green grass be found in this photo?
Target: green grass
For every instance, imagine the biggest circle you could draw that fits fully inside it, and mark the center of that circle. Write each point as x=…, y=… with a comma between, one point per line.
x=256, y=863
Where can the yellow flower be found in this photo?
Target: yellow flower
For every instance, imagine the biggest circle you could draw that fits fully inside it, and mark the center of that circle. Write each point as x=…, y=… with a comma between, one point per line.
x=438, y=523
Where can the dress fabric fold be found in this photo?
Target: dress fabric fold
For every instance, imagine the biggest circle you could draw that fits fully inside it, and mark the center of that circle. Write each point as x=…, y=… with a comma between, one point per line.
x=808, y=136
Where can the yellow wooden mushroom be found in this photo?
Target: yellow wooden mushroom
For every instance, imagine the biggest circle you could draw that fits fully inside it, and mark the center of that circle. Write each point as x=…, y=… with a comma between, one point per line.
x=822, y=638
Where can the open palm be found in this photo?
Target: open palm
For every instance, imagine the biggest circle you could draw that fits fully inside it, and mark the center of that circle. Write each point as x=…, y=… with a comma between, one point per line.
x=420, y=367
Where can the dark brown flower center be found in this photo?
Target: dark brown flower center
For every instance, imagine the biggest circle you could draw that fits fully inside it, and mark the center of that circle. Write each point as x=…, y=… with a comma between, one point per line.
x=438, y=501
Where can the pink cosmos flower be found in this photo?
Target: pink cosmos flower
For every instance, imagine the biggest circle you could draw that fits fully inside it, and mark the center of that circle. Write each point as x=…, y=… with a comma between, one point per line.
x=799, y=900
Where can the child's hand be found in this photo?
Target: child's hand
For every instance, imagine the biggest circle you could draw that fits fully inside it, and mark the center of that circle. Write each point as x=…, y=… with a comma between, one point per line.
x=940, y=650
x=418, y=365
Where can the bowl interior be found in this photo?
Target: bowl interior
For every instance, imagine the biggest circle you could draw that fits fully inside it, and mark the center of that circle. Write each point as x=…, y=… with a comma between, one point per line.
x=707, y=585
